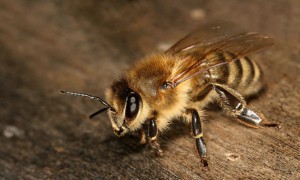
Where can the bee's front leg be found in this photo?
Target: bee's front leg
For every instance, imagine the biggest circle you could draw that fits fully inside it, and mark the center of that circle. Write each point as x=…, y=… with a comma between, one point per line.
x=143, y=136
x=198, y=135
x=152, y=134
x=234, y=104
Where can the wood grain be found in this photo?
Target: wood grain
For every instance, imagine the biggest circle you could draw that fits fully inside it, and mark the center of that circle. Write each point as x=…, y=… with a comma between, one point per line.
x=47, y=46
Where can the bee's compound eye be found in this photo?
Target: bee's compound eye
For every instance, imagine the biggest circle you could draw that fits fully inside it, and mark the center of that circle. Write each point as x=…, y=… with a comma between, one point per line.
x=132, y=106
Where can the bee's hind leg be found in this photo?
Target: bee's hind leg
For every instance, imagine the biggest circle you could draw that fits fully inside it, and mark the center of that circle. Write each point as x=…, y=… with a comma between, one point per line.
x=152, y=134
x=234, y=104
x=198, y=135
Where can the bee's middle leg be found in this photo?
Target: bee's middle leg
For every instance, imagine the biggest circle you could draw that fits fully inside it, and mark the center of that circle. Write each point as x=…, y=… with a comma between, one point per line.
x=234, y=104
x=152, y=134
x=198, y=135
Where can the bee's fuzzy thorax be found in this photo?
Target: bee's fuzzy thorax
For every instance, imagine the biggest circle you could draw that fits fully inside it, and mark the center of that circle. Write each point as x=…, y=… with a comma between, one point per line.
x=146, y=78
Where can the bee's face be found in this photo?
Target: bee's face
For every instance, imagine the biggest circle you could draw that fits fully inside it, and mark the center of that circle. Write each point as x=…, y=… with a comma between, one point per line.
x=127, y=105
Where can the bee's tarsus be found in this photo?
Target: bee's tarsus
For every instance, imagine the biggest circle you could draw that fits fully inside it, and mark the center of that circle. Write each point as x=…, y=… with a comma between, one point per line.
x=270, y=124
x=143, y=136
x=204, y=162
x=152, y=134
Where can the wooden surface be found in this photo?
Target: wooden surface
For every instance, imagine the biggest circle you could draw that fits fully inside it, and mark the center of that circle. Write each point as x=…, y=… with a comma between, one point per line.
x=47, y=46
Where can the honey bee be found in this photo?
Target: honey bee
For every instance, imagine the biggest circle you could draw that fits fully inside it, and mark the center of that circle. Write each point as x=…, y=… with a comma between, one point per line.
x=181, y=82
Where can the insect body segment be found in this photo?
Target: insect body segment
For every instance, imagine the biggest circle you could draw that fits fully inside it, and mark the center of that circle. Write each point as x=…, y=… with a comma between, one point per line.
x=183, y=81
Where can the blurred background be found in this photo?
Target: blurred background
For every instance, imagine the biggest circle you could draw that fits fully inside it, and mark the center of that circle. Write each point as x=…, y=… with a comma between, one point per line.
x=47, y=46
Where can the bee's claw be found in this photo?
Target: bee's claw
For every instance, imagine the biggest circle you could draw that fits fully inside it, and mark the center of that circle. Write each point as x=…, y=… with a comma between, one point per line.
x=271, y=124
x=155, y=145
x=160, y=153
x=205, y=165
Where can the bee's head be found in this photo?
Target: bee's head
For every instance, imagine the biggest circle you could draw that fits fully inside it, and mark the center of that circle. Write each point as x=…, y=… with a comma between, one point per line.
x=124, y=107
x=128, y=107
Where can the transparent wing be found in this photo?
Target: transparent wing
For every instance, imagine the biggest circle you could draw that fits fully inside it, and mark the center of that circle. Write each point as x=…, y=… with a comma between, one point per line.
x=204, y=35
x=199, y=56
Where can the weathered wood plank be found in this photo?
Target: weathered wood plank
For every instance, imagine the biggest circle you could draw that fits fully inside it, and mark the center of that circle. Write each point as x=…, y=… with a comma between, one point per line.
x=46, y=46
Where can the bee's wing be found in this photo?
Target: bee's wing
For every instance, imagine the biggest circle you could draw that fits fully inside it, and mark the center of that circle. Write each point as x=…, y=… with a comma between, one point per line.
x=199, y=56
x=203, y=35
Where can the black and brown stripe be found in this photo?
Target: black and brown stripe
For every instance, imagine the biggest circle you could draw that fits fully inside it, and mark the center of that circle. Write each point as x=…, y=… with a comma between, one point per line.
x=243, y=75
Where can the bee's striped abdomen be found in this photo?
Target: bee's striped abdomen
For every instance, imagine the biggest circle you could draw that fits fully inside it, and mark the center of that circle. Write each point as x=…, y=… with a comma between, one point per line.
x=243, y=75
x=251, y=79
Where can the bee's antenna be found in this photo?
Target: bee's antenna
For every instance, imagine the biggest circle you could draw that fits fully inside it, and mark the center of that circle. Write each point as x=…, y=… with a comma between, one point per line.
x=98, y=112
x=92, y=97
